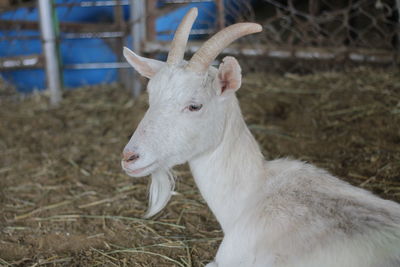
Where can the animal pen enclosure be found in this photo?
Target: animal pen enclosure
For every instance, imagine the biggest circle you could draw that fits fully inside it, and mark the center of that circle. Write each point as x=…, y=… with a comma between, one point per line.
x=89, y=35
x=321, y=84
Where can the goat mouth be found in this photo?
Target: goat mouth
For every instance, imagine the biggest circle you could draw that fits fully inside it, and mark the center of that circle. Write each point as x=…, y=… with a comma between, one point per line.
x=139, y=170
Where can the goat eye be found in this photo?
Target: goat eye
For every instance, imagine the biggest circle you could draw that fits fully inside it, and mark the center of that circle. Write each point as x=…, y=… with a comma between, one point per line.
x=195, y=107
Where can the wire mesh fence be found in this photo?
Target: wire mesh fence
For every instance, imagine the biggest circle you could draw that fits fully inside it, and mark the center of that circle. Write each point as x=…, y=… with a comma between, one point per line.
x=362, y=31
x=323, y=23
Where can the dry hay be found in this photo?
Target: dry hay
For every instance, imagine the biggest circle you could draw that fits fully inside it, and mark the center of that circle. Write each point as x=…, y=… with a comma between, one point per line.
x=66, y=202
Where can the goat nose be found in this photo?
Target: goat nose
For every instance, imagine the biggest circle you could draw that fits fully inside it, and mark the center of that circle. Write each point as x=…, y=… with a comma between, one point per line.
x=130, y=156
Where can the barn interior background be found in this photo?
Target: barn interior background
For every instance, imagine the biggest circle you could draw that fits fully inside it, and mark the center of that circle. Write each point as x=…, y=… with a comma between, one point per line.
x=321, y=84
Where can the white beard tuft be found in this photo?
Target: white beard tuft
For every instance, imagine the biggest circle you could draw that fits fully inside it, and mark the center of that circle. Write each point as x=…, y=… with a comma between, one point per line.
x=161, y=188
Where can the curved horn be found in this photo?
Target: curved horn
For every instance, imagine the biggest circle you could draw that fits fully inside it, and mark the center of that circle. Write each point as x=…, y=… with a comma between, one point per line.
x=181, y=37
x=203, y=58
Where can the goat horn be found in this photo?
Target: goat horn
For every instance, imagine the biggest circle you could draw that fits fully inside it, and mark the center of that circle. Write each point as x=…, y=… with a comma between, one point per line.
x=181, y=37
x=203, y=58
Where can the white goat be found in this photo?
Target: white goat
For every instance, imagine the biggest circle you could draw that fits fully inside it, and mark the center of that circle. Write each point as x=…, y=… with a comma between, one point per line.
x=273, y=213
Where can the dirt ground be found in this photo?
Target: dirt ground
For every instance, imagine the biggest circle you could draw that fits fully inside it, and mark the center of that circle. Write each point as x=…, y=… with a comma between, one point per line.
x=64, y=200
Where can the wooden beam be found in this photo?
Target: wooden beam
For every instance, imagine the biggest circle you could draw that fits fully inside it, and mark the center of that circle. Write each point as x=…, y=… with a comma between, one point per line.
x=306, y=53
x=64, y=26
x=220, y=14
x=21, y=62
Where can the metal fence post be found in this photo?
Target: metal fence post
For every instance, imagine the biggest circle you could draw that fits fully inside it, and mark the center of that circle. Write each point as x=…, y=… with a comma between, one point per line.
x=138, y=28
x=53, y=71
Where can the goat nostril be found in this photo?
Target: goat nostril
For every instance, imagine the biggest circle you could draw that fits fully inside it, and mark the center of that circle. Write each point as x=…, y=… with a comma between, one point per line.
x=133, y=157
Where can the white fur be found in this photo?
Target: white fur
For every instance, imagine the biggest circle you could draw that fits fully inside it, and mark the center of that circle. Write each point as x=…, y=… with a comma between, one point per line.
x=281, y=213
x=161, y=187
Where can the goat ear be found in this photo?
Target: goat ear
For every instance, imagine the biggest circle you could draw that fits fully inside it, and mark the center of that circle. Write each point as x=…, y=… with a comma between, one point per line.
x=229, y=77
x=145, y=66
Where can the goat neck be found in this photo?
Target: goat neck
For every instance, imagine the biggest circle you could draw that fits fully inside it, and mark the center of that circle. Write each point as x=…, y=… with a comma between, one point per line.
x=228, y=174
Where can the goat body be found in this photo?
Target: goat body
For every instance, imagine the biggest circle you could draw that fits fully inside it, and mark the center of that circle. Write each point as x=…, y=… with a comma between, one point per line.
x=279, y=213
x=289, y=213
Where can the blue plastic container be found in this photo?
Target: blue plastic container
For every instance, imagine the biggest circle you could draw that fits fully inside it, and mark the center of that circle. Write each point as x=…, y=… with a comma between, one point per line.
x=83, y=50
